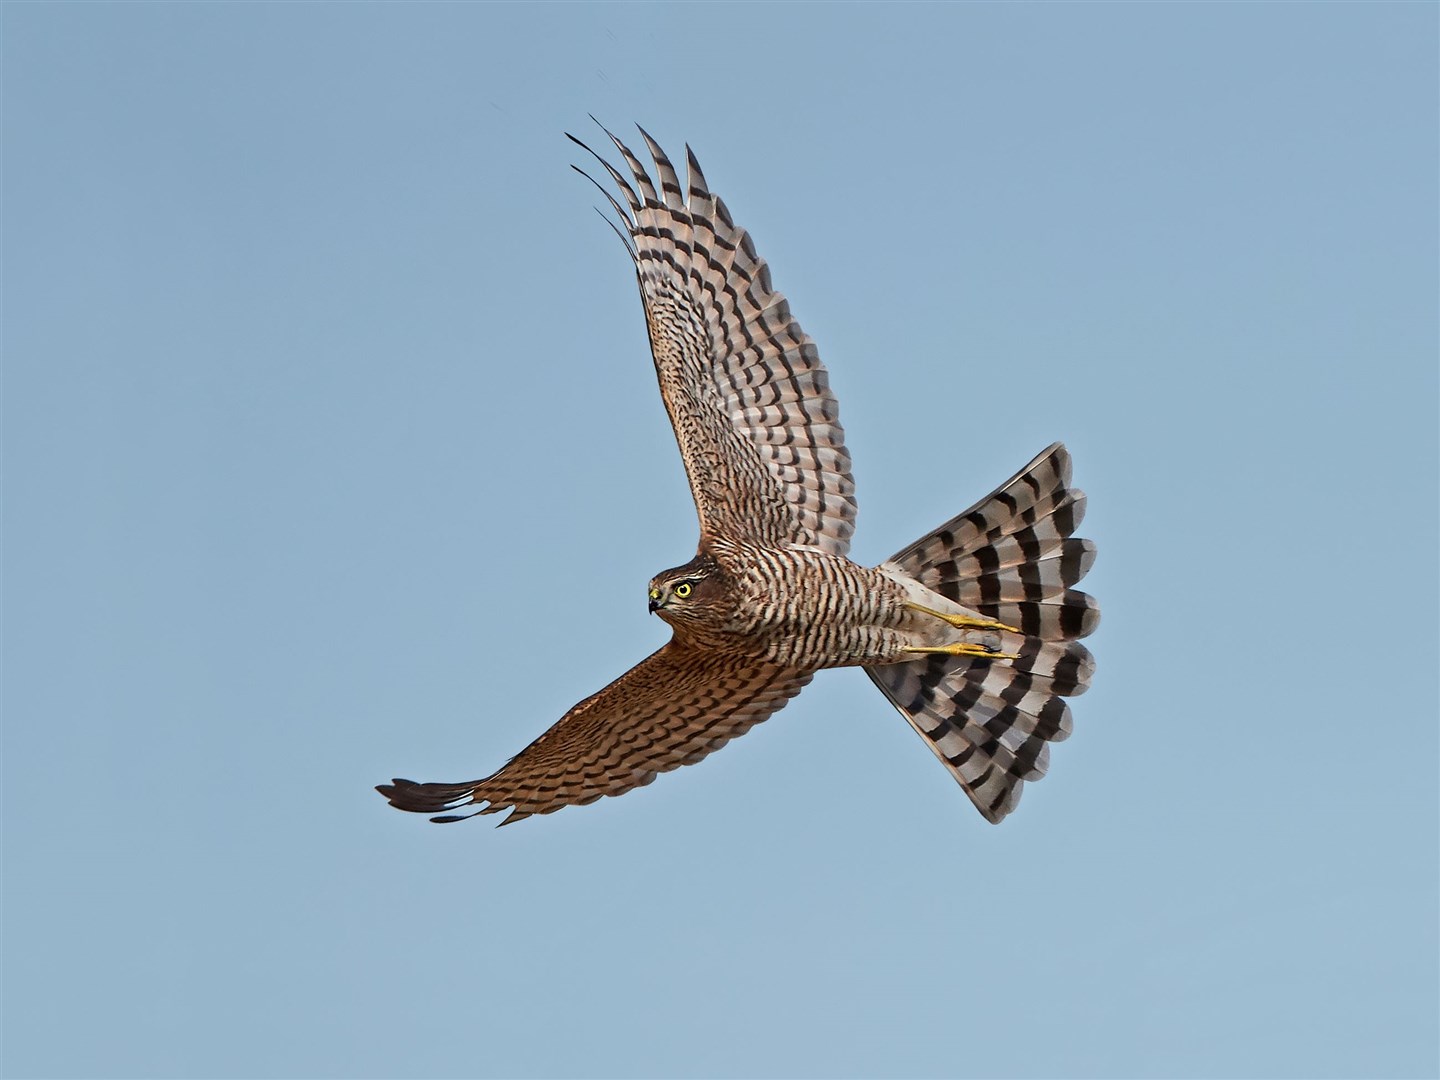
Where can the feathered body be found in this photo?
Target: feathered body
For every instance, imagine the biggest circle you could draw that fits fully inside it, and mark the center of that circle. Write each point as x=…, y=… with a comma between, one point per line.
x=805, y=608
x=971, y=631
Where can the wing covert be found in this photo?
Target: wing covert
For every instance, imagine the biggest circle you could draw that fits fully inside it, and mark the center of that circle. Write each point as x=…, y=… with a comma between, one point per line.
x=671, y=709
x=757, y=425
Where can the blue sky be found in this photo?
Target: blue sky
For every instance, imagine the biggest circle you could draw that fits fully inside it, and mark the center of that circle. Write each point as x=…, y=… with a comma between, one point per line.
x=333, y=453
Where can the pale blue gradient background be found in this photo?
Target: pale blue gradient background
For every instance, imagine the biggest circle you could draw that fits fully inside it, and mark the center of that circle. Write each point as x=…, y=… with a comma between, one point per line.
x=333, y=452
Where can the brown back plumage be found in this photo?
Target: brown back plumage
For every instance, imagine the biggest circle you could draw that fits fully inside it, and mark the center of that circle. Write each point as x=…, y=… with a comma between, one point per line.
x=671, y=709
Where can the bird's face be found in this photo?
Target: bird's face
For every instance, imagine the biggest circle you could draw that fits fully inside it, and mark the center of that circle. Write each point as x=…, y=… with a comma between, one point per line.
x=693, y=593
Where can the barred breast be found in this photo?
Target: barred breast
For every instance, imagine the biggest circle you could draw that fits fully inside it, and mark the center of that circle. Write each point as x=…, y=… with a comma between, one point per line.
x=805, y=608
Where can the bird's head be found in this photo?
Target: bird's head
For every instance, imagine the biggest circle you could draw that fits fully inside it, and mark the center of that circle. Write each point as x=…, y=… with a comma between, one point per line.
x=694, y=593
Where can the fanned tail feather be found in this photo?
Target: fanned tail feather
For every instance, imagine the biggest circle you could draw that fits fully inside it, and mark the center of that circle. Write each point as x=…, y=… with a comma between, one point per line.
x=1010, y=557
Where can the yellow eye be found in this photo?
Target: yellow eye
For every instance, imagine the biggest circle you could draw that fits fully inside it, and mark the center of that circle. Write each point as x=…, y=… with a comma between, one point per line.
x=683, y=590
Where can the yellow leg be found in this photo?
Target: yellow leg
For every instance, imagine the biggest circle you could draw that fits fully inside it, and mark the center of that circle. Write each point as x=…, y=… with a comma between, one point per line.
x=964, y=622
x=963, y=649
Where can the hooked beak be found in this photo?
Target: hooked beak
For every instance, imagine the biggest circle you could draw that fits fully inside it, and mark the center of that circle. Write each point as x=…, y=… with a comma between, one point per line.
x=654, y=601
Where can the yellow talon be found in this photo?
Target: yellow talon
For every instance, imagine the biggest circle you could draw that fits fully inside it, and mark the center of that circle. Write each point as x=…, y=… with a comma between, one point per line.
x=964, y=622
x=961, y=648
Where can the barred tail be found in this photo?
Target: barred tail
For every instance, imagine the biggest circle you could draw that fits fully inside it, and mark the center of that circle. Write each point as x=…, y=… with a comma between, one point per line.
x=1010, y=557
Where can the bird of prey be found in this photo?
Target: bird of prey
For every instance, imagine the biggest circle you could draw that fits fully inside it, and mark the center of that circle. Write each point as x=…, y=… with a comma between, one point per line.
x=971, y=631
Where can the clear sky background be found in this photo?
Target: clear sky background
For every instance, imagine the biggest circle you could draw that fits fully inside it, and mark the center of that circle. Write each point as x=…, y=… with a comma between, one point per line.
x=333, y=453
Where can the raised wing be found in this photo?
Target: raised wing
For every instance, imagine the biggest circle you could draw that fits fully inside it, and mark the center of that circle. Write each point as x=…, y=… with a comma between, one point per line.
x=750, y=402
x=671, y=709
